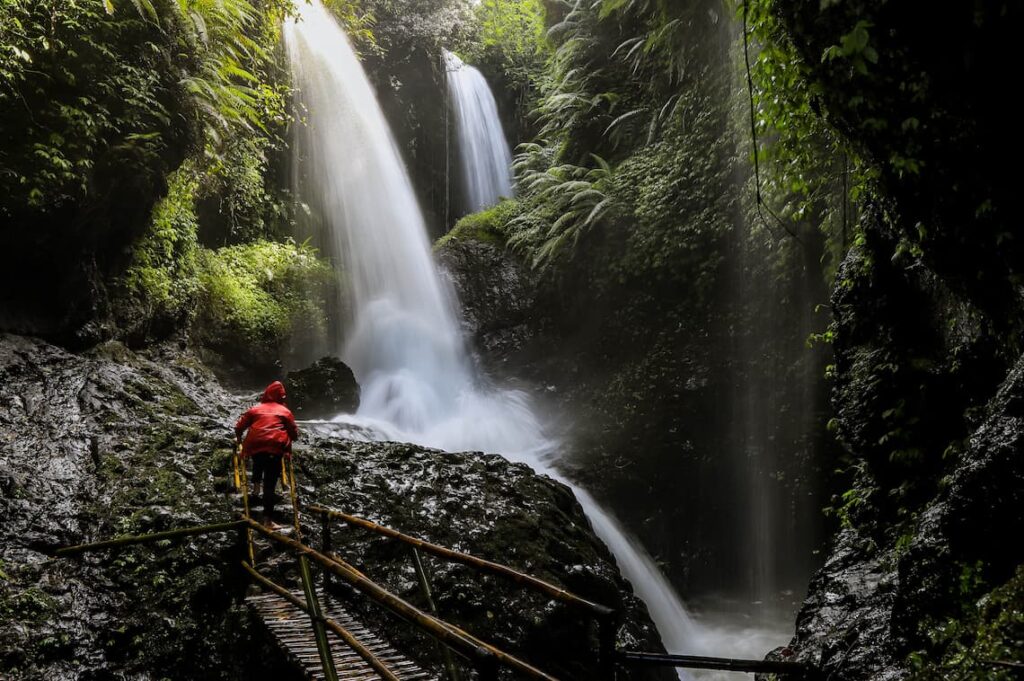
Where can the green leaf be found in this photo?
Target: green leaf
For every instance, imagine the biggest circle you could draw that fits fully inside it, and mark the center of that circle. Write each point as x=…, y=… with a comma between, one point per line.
x=624, y=117
x=145, y=9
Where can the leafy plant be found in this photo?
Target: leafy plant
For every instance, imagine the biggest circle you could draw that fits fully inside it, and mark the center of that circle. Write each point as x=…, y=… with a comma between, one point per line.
x=257, y=296
x=811, y=174
x=576, y=194
x=512, y=35
x=161, y=281
x=226, y=40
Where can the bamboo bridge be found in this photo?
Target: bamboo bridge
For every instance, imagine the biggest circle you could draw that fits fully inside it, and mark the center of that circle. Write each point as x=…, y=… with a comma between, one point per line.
x=317, y=632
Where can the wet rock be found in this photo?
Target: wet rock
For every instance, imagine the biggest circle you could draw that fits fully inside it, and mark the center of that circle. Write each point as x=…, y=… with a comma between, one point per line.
x=497, y=292
x=927, y=541
x=845, y=626
x=325, y=389
x=112, y=442
x=99, y=444
x=486, y=506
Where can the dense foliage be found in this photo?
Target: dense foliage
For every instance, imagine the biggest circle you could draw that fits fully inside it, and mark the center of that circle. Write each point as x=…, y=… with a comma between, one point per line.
x=637, y=196
x=510, y=46
x=162, y=136
x=264, y=300
x=118, y=99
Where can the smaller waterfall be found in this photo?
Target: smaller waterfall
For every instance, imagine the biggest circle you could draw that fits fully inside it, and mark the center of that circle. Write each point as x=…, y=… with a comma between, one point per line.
x=483, y=151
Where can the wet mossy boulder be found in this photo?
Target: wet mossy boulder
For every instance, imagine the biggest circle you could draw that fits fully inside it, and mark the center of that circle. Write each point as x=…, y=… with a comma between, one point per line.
x=497, y=289
x=325, y=389
x=101, y=444
x=489, y=507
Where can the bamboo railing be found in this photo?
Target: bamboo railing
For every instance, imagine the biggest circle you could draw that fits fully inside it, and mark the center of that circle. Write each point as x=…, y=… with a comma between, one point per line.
x=481, y=655
x=554, y=592
x=607, y=618
x=484, y=657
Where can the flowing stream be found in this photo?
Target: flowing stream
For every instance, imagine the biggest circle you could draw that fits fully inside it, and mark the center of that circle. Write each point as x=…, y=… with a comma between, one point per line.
x=403, y=340
x=484, y=156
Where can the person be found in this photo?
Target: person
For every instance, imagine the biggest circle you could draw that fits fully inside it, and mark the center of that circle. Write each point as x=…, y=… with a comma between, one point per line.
x=272, y=430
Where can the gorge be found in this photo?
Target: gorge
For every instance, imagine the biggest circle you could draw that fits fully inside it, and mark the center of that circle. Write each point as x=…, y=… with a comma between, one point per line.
x=728, y=341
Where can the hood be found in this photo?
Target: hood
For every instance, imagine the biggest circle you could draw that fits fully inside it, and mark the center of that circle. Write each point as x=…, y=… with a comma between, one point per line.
x=273, y=393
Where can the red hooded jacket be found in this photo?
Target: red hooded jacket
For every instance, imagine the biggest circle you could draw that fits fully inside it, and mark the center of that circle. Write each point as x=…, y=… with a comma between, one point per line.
x=271, y=424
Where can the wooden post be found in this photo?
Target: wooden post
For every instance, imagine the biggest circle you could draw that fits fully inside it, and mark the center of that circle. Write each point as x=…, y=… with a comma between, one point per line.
x=234, y=465
x=295, y=499
x=607, y=628
x=323, y=646
x=325, y=548
x=428, y=596
x=245, y=505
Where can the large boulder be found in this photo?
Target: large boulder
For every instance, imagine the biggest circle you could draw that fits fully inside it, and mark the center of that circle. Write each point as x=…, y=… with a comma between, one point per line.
x=325, y=389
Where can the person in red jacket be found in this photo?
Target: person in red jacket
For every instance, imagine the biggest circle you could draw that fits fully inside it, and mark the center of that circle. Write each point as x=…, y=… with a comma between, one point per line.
x=272, y=430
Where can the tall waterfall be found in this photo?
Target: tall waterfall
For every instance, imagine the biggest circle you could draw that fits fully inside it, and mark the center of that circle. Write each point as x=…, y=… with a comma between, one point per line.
x=404, y=342
x=484, y=156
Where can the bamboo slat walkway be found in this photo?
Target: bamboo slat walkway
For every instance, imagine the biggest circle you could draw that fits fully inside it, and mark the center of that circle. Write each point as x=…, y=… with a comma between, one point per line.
x=290, y=628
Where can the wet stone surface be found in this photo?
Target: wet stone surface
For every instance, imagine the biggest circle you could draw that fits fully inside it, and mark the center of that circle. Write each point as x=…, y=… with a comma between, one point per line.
x=483, y=505
x=112, y=442
x=498, y=294
x=324, y=389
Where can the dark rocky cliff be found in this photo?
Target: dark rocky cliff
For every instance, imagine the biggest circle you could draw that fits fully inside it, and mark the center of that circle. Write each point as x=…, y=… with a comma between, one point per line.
x=924, y=580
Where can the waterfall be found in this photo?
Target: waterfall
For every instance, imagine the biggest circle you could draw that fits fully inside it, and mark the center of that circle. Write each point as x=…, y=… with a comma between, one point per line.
x=403, y=339
x=484, y=156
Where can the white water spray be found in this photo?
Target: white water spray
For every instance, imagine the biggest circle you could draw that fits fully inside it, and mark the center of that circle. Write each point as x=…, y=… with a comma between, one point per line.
x=404, y=344
x=484, y=155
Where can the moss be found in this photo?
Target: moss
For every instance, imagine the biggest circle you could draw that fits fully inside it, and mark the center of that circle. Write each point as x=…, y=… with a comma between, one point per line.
x=488, y=226
x=160, y=285
x=678, y=191
x=30, y=606
x=991, y=631
x=258, y=296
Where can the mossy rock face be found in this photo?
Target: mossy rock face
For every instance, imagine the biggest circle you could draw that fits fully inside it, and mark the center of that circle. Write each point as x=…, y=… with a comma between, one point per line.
x=497, y=291
x=260, y=304
x=97, y=445
x=929, y=376
x=325, y=389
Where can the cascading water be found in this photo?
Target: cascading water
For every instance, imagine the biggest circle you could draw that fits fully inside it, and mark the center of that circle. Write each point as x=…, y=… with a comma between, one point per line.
x=403, y=339
x=404, y=344
x=484, y=156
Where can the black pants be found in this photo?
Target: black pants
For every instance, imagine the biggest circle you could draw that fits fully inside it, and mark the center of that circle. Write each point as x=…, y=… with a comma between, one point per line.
x=266, y=468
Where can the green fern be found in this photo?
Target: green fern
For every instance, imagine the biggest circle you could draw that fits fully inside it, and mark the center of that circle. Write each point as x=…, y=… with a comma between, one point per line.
x=575, y=197
x=227, y=85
